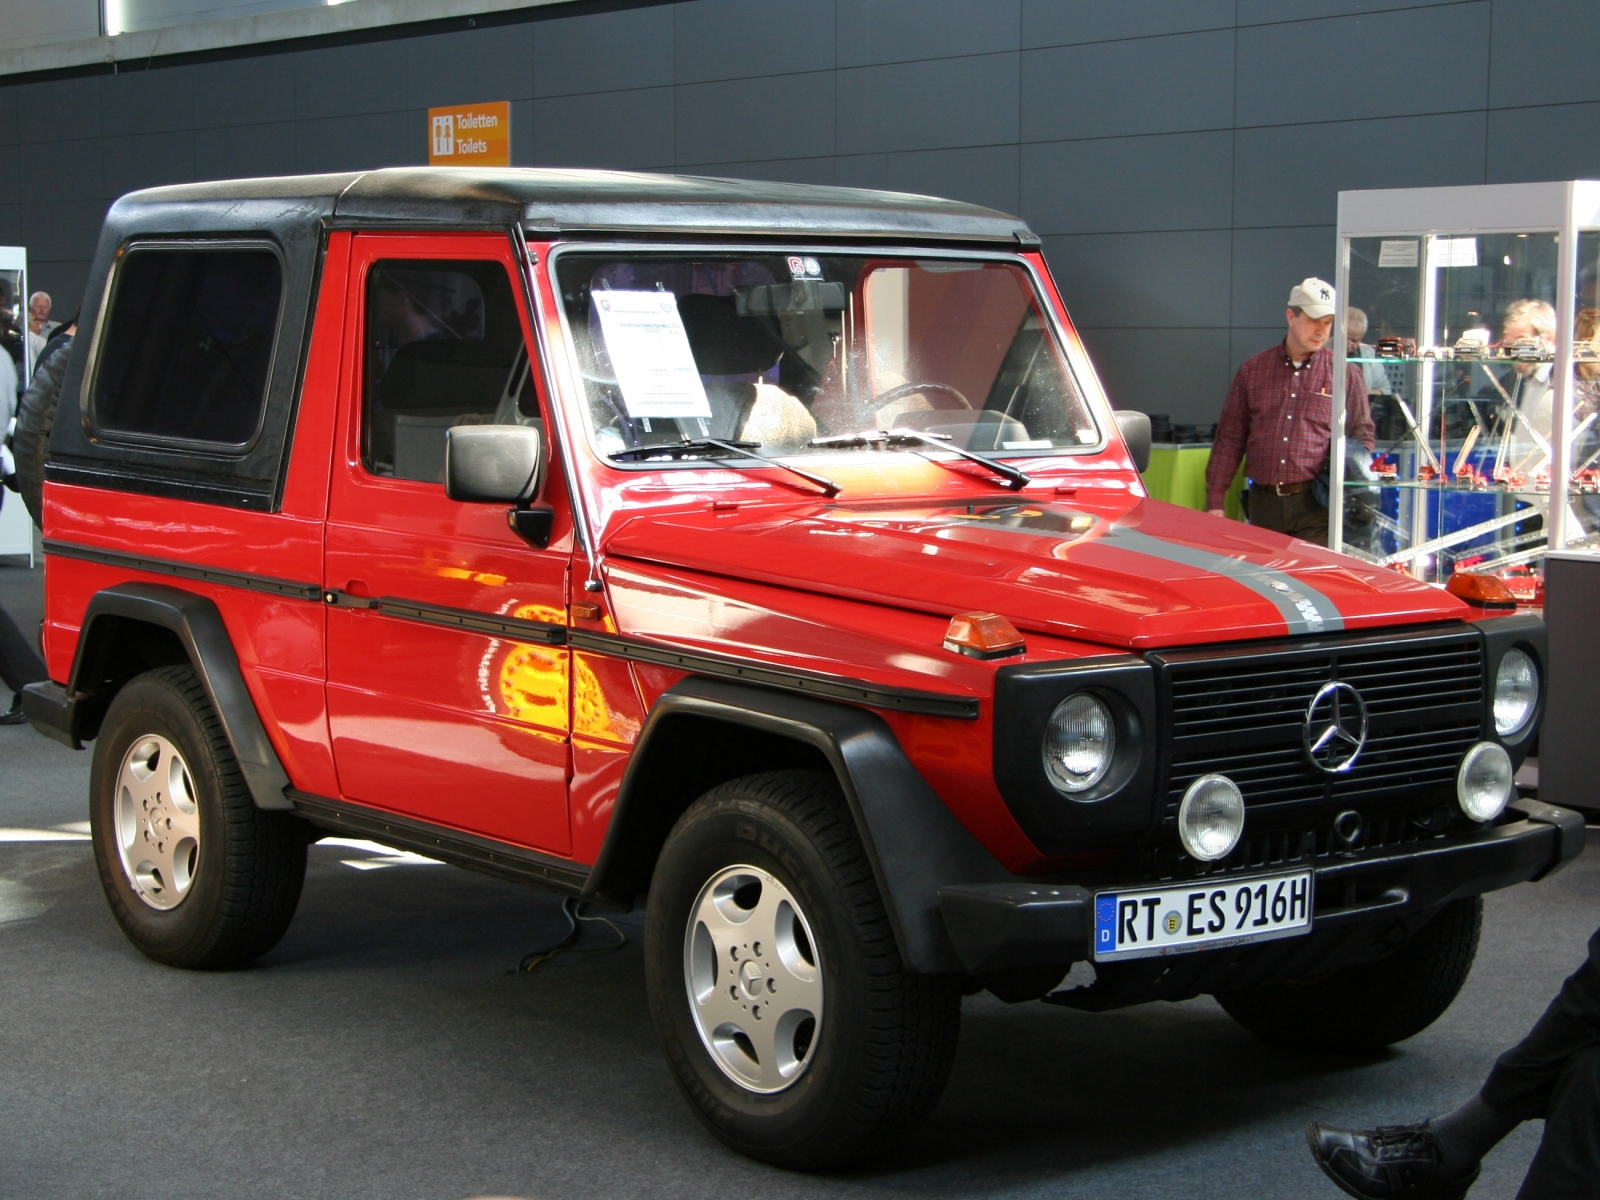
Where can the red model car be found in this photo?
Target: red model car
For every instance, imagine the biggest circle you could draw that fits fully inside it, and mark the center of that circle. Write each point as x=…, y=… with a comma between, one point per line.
x=770, y=552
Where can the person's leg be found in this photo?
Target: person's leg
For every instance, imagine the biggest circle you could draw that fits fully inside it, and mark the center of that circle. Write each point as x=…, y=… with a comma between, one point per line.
x=1306, y=519
x=1438, y=1159
x=19, y=665
x=1524, y=1076
x=1567, y=1166
x=1266, y=509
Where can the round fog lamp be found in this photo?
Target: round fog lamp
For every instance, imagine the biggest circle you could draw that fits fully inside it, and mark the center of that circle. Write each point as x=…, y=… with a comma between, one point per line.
x=1211, y=818
x=1516, y=689
x=1483, y=784
x=1078, y=743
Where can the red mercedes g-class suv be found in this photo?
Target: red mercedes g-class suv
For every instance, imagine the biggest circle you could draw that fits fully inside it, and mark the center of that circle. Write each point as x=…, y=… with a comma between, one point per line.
x=768, y=551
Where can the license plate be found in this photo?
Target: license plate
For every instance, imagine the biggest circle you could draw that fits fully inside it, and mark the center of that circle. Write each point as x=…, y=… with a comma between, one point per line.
x=1201, y=916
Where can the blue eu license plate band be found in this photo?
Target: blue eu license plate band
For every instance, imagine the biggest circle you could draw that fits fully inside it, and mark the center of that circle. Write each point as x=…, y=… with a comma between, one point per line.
x=1209, y=914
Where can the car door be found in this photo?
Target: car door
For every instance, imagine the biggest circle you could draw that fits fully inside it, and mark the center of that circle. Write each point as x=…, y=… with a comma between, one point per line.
x=447, y=667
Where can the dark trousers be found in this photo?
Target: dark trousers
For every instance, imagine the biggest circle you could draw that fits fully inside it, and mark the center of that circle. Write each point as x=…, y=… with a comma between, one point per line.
x=18, y=663
x=1554, y=1073
x=1299, y=515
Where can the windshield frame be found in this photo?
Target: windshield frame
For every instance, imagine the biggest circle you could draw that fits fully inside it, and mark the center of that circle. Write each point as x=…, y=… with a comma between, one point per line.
x=1080, y=371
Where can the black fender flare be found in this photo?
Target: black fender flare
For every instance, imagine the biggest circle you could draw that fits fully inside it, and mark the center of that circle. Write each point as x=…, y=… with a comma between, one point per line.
x=913, y=841
x=72, y=715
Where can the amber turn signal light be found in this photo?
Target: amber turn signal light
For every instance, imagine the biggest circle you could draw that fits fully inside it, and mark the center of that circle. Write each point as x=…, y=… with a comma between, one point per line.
x=1484, y=591
x=983, y=635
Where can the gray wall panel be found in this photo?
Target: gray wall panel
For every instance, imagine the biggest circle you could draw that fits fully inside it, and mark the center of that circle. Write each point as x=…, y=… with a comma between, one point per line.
x=1245, y=341
x=1108, y=185
x=1268, y=262
x=339, y=81
x=457, y=69
x=984, y=175
x=147, y=102
x=247, y=150
x=1146, y=85
x=1177, y=372
x=1265, y=12
x=49, y=107
x=147, y=160
x=242, y=91
x=1547, y=52
x=1387, y=64
x=10, y=182
x=70, y=170
x=1143, y=281
x=1329, y=158
x=756, y=118
x=1070, y=22
x=605, y=129
x=927, y=105
x=1544, y=143
x=603, y=52
x=360, y=142
x=886, y=31
x=737, y=39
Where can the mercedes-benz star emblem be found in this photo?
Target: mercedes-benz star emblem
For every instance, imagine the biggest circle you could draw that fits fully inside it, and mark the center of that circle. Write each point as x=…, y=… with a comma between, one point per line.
x=1335, y=728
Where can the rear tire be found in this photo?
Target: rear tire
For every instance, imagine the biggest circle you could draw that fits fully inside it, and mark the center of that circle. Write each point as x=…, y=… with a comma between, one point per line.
x=1362, y=1008
x=196, y=874
x=877, y=1052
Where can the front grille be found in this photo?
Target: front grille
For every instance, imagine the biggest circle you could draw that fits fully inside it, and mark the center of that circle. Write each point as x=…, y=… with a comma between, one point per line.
x=1243, y=716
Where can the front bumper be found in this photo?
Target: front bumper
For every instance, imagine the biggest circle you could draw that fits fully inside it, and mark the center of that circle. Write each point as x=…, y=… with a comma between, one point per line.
x=1018, y=924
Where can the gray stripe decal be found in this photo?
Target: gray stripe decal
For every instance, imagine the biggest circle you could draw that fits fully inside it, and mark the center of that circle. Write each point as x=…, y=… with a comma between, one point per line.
x=1304, y=608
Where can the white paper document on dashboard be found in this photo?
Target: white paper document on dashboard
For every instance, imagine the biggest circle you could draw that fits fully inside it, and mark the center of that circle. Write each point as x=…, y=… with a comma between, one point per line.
x=650, y=353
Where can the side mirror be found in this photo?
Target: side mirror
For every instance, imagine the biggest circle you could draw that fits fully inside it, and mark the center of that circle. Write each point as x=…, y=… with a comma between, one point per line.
x=492, y=464
x=1135, y=430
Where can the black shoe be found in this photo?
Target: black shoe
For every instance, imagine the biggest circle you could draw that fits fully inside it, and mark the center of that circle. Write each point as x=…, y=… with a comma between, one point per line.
x=1392, y=1162
x=13, y=715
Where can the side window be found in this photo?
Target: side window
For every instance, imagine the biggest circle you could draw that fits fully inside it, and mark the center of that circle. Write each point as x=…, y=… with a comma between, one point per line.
x=188, y=344
x=444, y=347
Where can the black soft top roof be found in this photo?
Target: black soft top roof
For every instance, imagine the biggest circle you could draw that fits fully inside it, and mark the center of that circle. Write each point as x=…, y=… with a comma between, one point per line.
x=554, y=201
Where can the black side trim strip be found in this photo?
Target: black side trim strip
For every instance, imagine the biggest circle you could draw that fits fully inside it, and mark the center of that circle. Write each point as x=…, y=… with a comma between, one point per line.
x=807, y=683
x=164, y=566
x=460, y=618
x=166, y=486
x=483, y=854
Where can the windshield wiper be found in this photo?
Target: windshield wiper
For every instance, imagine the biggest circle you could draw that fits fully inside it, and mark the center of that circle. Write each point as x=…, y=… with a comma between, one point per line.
x=1015, y=479
x=699, y=446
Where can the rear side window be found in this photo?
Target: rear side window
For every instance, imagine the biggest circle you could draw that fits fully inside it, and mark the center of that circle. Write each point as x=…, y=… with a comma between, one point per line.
x=188, y=344
x=444, y=347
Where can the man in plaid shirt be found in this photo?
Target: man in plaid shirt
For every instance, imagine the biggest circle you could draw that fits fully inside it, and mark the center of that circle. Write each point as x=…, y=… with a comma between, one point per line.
x=1279, y=418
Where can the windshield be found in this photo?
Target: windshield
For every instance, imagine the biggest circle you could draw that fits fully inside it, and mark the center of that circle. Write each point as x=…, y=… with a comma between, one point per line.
x=777, y=350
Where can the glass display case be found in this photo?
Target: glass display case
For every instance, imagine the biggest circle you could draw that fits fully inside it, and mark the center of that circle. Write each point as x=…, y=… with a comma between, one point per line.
x=1481, y=359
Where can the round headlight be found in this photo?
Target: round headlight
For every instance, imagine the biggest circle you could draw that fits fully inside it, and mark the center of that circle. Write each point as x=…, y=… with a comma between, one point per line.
x=1211, y=818
x=1483, y=784
x=1516, y=691
x=1078, y=743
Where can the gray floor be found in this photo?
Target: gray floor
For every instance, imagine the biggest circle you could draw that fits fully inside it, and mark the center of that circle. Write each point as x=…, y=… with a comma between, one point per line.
x=382, y=1050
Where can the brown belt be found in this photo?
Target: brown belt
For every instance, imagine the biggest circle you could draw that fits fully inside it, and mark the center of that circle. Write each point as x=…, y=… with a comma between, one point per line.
x=1283, y=489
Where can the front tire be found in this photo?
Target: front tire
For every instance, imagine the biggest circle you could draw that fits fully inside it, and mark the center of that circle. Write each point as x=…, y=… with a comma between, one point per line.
x=792, y=1027
x=1362, y=1008
x=196, y=875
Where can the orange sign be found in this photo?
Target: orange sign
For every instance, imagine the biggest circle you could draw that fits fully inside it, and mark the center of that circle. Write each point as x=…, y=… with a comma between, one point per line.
x=472, y=135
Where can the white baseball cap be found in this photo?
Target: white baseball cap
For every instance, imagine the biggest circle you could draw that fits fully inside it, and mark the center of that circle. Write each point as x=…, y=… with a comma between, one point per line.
x=1313, y=297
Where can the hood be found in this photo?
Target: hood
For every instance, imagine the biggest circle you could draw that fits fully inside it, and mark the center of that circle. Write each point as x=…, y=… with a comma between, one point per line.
x=1132, y=573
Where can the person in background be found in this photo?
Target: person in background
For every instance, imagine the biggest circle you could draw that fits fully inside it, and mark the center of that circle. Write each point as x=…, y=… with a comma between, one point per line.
x=39, y=325
x=1355, y=328
x=19, y=665
x=1278, y=418
x=1553, y=1074
x=1532, y=395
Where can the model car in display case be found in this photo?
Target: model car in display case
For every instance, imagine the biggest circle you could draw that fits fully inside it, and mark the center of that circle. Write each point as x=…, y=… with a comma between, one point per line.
x=765, y=555
x=1490, y=468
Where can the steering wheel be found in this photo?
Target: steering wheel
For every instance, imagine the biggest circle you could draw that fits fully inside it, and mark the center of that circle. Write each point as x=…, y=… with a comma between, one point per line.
x=884, y=399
